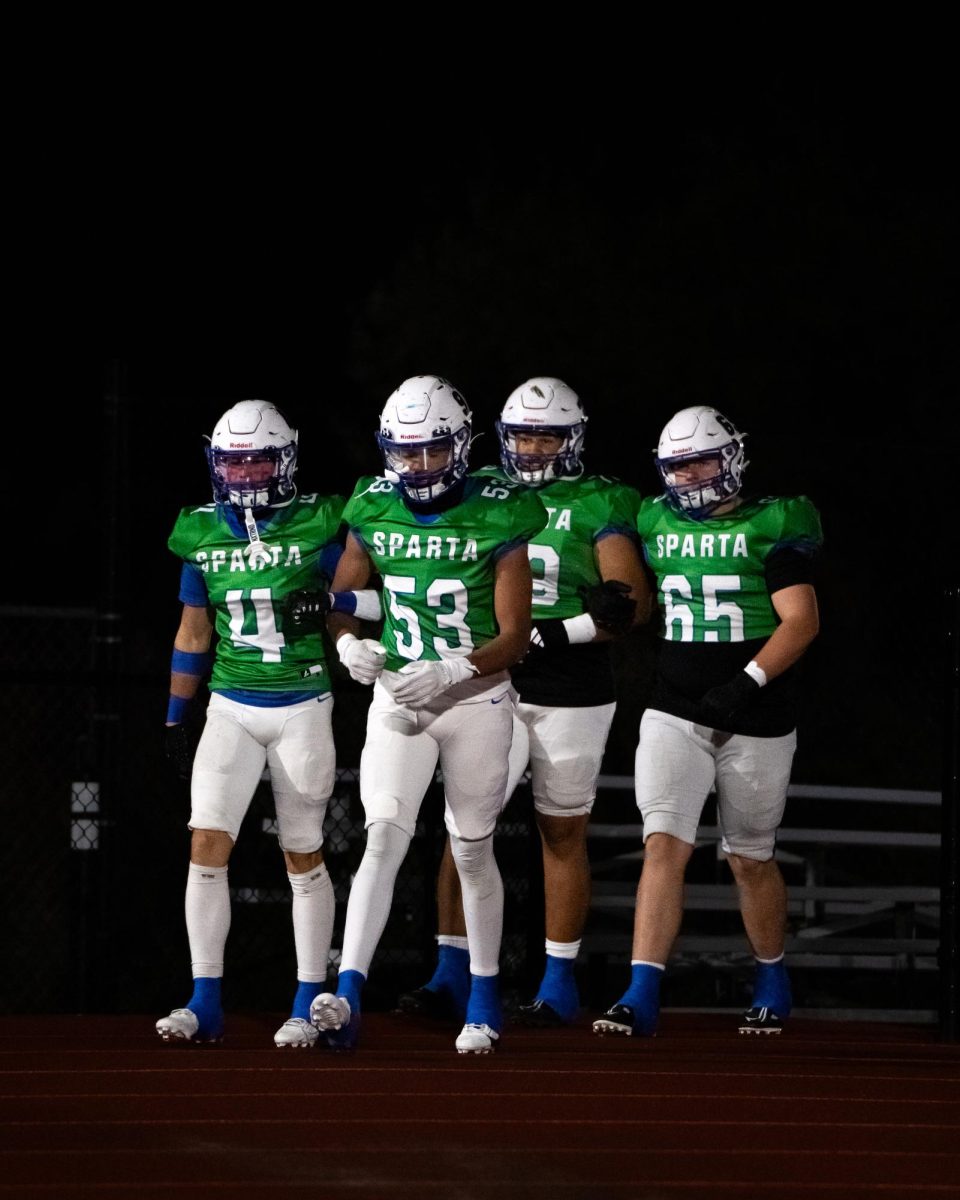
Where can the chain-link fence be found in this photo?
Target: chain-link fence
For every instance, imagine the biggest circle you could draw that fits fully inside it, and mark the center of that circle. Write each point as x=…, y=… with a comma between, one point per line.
x=96, y=843
x=97, y=846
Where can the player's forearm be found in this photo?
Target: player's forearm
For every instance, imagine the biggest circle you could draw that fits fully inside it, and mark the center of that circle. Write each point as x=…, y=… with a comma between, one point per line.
x=187, y=670
x=786, y=645
x=796, y=608
x=339, y=623
x=506, y=649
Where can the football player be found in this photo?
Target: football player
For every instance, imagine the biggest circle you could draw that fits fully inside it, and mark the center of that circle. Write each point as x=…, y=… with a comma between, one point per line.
x=737, y=611
x=270, y=702
x=589, y=586
x=451, y=549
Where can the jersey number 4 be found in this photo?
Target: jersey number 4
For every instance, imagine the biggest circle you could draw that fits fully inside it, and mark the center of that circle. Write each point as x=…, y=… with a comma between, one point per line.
x=265, y=636
x=678, y=618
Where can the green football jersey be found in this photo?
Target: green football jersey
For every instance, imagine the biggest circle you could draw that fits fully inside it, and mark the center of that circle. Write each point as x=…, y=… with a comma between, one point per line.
x=579, y=512
x=254, y=651
x=711, y=573
x=438, y=569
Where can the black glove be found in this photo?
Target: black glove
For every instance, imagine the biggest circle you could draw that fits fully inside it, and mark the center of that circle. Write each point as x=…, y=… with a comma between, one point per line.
x=305, y=610
x=721, y=704
x=178, y=748
x=610, y=604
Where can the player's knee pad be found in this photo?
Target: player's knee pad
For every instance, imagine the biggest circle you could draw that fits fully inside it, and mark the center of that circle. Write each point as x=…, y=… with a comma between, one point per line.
x=299, y=822
x=552, y=802
x=472, y=857
x=386, y=842
x=753, y=848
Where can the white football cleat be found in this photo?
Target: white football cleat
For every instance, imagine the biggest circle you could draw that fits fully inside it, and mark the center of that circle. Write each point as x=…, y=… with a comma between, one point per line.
x=297, y=1033
x=329, y=1012
x=180, y=1026
x=476, y=1039
x=183, y=1025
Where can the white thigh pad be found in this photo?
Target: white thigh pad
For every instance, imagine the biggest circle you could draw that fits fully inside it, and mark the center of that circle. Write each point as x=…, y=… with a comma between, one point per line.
x=752, y=778
x=566, y=752
x=674, y=774
x=397, y=764
x=474, y=740
x=226, y=768
x=302, y=763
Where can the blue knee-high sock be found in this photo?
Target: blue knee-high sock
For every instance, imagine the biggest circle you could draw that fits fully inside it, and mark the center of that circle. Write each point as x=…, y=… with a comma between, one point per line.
x=452, y=974
x=643, y=995
x=483, y=1006
x=559, y=987
x=305, y=995
x=350, y=985
x=771, y=988
x=206, y=1005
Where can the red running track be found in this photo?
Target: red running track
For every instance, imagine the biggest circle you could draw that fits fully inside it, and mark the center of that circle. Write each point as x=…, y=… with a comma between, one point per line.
x=100, y=1107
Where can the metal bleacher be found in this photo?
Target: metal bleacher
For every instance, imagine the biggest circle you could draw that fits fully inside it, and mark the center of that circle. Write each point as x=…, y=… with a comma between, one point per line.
x=845, y=914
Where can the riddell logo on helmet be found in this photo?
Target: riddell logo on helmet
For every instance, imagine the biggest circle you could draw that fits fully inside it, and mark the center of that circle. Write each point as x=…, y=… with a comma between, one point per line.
x=241, y=445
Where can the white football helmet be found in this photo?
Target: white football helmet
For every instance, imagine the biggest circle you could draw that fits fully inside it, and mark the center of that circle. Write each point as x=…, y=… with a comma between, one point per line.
x=542, y=405
x=252, y=456
x=701, y=434
x=425, y=437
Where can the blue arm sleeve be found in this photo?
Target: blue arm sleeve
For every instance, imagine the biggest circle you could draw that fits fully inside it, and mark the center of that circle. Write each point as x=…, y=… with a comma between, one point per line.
x=329, y=557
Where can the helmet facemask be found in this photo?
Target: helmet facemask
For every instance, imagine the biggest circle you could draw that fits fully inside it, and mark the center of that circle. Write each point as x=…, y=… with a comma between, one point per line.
x=537, y=469
x=252, y=479
x=700, y=496
x=425, y=470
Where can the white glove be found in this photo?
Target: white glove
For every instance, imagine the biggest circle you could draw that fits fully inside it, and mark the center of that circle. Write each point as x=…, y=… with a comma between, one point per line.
x=424, y=680
x=363, y=659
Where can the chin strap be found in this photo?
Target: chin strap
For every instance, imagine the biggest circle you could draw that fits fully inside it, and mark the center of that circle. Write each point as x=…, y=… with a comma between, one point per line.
x=258, y=551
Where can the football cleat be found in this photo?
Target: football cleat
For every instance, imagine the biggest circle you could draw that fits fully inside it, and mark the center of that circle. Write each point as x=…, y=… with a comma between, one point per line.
x=183, y=1025
x=539, y=1015
x=332, y=1017
x=433, y=1004
x=476, y=1039
x=296, y=1033
x=760, y=1020
x=329, y=1012
x=621, y=1021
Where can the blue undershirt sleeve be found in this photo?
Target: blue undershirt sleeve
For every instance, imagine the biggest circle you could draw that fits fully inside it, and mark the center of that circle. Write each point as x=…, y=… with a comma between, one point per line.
x=193, y=588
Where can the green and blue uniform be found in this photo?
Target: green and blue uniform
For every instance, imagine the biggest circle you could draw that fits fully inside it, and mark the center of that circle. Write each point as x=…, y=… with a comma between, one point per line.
x=714, y=582
x=580, y=513
x=258, y=659
x=438, y=569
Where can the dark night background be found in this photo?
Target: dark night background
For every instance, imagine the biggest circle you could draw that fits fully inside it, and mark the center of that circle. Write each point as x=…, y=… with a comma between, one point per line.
x=780, y=243
x=783, y=249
